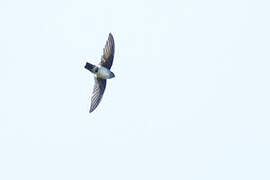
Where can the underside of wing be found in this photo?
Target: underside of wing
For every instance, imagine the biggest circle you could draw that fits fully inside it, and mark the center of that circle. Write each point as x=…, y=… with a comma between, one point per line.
x=108, y=53
x=99, y=88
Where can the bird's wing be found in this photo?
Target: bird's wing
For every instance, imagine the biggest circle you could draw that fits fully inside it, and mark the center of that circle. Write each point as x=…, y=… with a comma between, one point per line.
x=108, y=53
x=99, y=88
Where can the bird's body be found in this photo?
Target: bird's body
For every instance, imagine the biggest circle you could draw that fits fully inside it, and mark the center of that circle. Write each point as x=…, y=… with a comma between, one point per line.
x=102, y=72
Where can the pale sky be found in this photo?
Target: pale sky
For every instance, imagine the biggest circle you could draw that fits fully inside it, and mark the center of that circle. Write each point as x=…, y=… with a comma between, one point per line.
x=190, y=99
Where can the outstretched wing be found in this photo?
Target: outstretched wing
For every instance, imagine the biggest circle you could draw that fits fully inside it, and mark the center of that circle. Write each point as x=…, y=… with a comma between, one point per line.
x=108, y=53
x=99, y=88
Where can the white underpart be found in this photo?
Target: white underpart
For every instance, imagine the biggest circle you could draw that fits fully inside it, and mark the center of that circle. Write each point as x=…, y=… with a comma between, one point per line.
x=103, y=73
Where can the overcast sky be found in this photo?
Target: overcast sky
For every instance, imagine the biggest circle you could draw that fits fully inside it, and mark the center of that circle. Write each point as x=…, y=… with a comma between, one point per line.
x=190, y=99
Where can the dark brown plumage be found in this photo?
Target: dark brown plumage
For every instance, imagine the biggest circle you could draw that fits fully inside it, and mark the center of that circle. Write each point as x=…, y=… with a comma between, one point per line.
x=108, y=53
x=99, y=88
x=100, y=83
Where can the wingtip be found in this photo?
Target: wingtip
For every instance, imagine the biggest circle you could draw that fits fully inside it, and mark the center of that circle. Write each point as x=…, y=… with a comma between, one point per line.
x=110, y=35
x=91, y=109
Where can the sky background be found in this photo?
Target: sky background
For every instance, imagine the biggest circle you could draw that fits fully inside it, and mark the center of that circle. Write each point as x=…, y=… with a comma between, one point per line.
x=190, y=99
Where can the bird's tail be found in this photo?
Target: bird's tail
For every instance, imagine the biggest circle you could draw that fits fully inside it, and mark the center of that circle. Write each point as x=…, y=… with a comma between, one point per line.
x=90, y=67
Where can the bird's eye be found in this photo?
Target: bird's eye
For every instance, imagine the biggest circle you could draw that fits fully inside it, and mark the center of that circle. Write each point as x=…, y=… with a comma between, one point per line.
x=96, y=70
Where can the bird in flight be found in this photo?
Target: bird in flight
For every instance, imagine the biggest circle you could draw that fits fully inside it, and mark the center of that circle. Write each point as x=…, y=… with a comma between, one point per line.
x=102, y=72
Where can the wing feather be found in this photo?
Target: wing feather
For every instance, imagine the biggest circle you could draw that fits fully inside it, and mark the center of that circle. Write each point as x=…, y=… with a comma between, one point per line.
x=108, y=53
x=99, y=88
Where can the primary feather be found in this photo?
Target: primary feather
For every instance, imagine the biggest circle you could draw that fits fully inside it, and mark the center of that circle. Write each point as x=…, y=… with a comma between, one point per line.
x=100, y=84
x=99, y=88
x=108, y=53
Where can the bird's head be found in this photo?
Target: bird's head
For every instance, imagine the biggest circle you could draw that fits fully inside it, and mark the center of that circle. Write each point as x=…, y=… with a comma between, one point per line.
x=111, y=75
